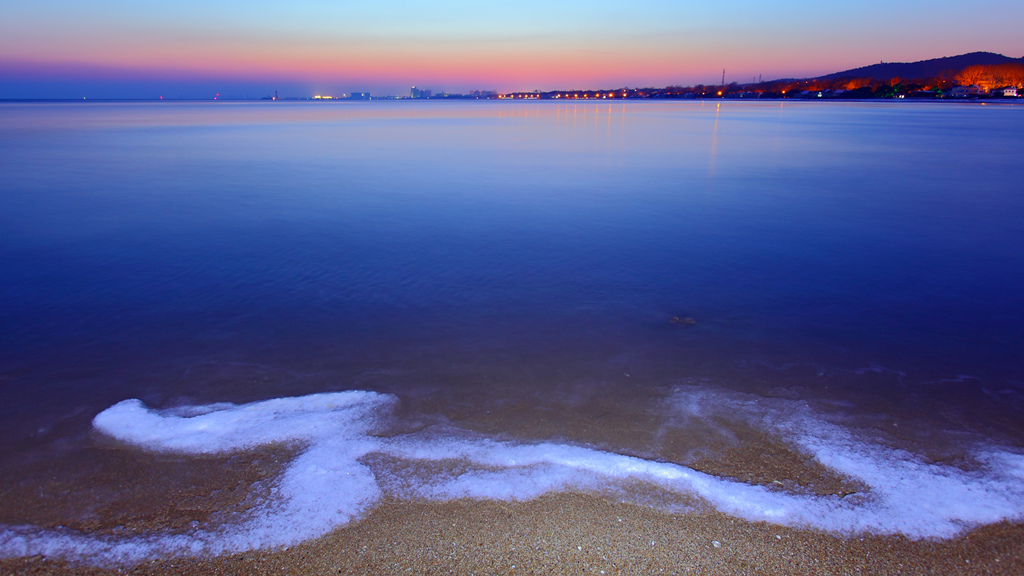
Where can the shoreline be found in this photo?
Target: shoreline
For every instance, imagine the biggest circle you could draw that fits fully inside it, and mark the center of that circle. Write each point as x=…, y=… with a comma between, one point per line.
x=625, y=529
x=574, y=533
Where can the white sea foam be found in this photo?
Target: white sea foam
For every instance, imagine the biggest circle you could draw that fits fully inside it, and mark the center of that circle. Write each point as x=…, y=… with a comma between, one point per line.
x=323, y=487
x=327, y=485
x=907, y=494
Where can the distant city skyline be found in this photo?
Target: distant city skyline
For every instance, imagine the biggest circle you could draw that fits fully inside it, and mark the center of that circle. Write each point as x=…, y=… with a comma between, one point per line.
x=191, y=49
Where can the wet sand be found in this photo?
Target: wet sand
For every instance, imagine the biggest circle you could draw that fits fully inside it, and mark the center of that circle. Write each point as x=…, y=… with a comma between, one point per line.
x=100, y=487
x=583, y=534
x=564, y=533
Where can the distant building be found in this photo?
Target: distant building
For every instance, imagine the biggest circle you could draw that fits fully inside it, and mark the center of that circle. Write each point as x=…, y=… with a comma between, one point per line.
x=417, y=93
x=359, y=96
x=964, y=91
x=1005, y=91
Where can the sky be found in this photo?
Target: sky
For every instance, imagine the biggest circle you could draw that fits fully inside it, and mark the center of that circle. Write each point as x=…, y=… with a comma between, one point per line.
x=199, y=48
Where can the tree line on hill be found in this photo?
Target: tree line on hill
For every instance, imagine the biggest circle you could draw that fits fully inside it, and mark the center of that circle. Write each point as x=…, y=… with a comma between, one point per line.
x=986, y=77
x=924, y=79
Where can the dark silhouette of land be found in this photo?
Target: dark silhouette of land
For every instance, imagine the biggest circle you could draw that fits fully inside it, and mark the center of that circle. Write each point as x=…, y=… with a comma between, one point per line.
x=925, y=68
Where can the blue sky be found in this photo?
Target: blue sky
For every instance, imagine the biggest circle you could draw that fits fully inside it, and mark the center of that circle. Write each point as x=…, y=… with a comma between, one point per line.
x=111, y=48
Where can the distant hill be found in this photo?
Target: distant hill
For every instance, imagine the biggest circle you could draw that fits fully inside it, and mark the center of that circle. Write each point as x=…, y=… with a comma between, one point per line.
x=924, y=68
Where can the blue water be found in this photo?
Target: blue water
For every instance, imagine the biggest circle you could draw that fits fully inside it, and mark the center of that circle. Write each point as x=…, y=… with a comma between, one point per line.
x=868, y=253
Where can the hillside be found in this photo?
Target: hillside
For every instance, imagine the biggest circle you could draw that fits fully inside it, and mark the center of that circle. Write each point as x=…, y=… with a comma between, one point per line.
x=924, y=68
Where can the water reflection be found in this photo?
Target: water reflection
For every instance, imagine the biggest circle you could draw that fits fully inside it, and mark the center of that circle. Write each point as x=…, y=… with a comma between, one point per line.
x=508, y=241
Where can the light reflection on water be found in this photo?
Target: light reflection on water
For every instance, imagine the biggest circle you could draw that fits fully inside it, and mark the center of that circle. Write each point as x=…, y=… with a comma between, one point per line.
x=465, y=254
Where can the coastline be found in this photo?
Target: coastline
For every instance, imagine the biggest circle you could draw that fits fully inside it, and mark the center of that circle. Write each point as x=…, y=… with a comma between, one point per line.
x=117, y=491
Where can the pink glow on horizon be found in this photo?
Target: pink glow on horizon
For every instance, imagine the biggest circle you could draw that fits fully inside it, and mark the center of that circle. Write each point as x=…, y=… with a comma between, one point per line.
x=458, y=45
x=485, y=69
x=547, y=63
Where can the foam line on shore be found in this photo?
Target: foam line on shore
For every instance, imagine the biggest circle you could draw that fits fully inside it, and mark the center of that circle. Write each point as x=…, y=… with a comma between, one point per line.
x=908, y=494
x=328, y=485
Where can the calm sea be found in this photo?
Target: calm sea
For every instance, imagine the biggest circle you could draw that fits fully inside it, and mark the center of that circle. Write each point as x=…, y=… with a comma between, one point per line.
x=513, y=269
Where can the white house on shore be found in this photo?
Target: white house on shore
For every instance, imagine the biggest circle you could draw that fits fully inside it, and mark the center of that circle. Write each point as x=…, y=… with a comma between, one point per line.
x=1005, y=91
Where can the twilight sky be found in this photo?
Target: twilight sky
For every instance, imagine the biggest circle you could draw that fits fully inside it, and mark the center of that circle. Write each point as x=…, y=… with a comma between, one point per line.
x=196, y=48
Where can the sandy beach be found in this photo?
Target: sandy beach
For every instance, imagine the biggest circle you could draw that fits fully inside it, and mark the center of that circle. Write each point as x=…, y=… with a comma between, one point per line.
x=583, y=534
x=134, y=493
